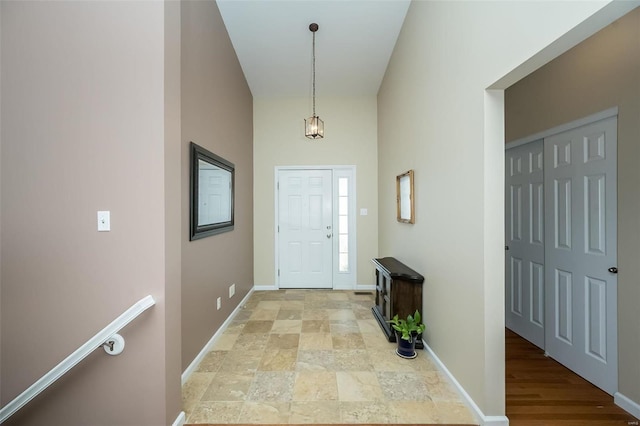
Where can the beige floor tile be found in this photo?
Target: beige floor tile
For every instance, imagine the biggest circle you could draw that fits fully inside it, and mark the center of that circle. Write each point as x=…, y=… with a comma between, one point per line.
x=366, y=412
x=294, y=304
x=193, y=390
x=454, y=412
x=225, y=342
x=315, y=326
x=319, y=360
x=362, y=313
x=315, y=341
x=416, y=412
x=264, y=314
x=261, y=412
x=289, y=314
x=269, y=304
x=315, y=314
x=315, y=386
x=251, y=341
x=337, y=295
x=351, y=360
x=315, y=356
x=314, y=412
x=439, y=385
x=243, y=314
x=235, y=327
x=216, y=412
x=278, y=360
x=369, y=326
x=242, y=361
x=358, y=386
x=424, y=362
x=380, y=342
x=272, y=386
x=228, y=386
x=341, y=315
x=287, y=326
x=283, y=341
x=387, y=360
x=347, y=341
x=344, y=327
x=258, y=326
x=403, y=386
x=212, y=361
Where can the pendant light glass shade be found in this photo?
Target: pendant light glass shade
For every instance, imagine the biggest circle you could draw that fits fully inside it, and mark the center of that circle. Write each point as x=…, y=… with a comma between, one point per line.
x=314, y=127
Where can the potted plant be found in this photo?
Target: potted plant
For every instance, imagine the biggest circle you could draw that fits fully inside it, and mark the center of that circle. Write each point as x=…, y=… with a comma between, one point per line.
x=407, y=331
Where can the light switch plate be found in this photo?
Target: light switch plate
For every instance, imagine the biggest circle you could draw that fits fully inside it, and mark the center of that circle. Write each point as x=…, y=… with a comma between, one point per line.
x=363, y=212
x=104, y=221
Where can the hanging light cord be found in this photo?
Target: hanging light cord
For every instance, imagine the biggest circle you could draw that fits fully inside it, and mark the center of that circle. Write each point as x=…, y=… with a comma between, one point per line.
x=314, y=72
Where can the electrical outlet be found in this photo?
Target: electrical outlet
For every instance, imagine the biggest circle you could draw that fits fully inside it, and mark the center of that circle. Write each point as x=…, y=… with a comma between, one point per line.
x=232, y=290
x=219, y=303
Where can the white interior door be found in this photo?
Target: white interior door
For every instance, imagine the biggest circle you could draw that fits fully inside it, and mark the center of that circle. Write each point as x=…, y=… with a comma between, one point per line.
x=305, y=228
x=581, y=292
x=524, y=261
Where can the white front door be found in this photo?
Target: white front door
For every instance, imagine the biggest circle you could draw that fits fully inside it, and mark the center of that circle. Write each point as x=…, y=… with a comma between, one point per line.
x=524, y=201
x=305, y=236
x=580, y=230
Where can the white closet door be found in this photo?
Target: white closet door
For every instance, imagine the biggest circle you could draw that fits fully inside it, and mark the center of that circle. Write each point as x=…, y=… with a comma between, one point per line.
x=524, y=201
x=580, y=231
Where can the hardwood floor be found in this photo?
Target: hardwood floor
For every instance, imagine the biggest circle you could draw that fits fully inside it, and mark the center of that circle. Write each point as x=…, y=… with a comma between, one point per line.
x=542, y=392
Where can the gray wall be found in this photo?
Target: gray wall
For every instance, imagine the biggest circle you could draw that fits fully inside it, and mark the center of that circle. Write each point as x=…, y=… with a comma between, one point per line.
x=600, y=73
x=82, y=113
x=217, y=113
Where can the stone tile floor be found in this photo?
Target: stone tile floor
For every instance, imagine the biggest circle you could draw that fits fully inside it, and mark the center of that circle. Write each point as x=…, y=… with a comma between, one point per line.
x=315, y=356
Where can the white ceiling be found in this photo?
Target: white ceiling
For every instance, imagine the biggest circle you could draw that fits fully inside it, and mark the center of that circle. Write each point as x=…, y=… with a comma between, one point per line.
x=353, y=44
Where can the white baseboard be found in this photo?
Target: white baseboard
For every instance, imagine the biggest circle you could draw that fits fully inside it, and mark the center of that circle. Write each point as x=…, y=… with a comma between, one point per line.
x=627, y=404
x=196, y=361
x=365, y=287
x=484, y=420
x=265, y=287
x=180, y=420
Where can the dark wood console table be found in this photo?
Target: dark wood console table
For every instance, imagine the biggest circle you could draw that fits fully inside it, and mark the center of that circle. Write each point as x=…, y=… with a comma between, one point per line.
x=398, y=292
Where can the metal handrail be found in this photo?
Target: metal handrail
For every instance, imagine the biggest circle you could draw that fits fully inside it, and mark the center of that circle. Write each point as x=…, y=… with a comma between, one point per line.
x=106, y=336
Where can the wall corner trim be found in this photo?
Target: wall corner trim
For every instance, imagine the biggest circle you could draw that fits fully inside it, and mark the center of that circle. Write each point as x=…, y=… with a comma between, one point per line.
x=484, y=420
x=196, y=361
x=180, y=420
x=602, y=115
x=626, y=404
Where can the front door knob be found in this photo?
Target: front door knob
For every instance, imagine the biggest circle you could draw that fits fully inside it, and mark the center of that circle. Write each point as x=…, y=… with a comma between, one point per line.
x=613, y=270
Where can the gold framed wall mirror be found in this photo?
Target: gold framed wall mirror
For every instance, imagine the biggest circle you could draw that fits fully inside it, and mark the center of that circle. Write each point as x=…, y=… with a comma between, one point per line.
x=406, y=212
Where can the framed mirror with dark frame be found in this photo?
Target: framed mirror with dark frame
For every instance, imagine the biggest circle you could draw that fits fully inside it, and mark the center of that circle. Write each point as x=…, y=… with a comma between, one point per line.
x=212, y=182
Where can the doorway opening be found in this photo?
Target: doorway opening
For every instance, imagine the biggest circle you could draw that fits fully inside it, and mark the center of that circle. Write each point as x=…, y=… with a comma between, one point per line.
x=561, y=248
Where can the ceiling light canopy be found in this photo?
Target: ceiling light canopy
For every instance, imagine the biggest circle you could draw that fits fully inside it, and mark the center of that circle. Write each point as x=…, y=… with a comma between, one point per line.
x=314, y=126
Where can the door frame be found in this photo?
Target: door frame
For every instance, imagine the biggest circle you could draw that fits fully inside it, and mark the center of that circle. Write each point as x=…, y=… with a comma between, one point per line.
x=341, y=280
x=599, y=116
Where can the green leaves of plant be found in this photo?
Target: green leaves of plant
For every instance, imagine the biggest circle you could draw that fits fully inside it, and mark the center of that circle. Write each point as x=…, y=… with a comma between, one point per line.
x=412, y=325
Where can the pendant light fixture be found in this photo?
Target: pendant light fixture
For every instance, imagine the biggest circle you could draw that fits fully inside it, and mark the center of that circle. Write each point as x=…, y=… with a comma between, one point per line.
x=314, y=126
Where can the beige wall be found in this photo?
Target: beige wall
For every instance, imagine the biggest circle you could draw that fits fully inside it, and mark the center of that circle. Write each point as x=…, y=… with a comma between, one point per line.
x=172, y=208
x=435, y=116
x=216, y=114
x=350, y=139
x=601, y=72
x=82, y=119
